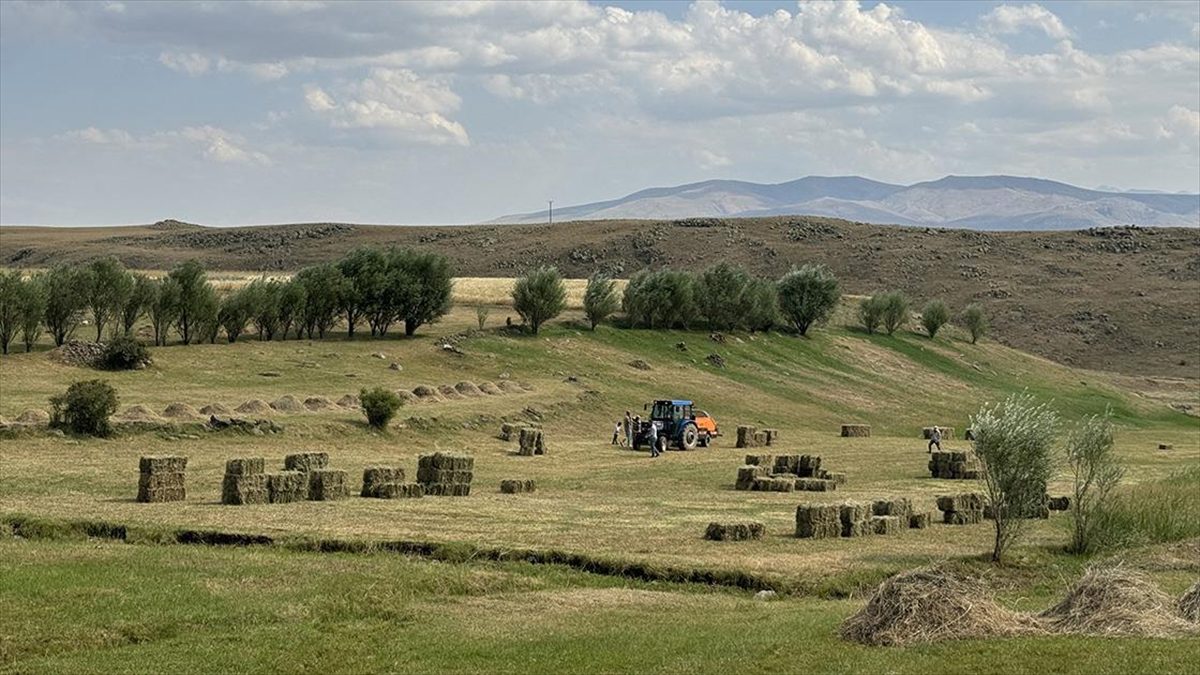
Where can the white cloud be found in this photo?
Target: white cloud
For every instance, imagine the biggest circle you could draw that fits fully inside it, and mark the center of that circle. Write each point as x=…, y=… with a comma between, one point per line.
x=190, y=63
x=95, y=136
x=407, y=107
x=1007, y=19
x=211, y=143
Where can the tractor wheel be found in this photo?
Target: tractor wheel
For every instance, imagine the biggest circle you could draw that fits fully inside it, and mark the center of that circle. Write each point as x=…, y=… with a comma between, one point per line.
x=689, y=438
x=661, y=443
x=705, y=439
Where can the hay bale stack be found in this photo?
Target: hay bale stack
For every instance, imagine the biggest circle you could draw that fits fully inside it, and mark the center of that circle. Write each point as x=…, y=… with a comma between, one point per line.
x=1117, y=601
x=947, y=433
x=161, y=479
x=919, y=521
x=745, y=436
x=786, y=464
x=326, y=485
x=244, y=482
x=747, y=474
x=532, y=442
x=900, y=507
x=856, y=430
x=965, y=508
x=886, y=524
x=284, y=487
x=814, y=485
x=377, y=478
x=1058, y=503
x=734, y=531
x=510, y=431
x=516, y=487
x=305, y=462
x=818, y=521
x=1189, y=603
x=770, y=436
x=446, y=474
x=399, y=491
x=838, y=477
x=805, y=466
x=954, y=465
x=774, y=484
x=767, y=461
x=760, y=438
x=855, y=519
x=929, y=605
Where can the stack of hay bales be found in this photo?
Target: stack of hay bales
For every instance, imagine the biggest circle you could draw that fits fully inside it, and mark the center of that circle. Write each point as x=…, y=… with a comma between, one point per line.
x=947, y=433
x=746, y=436
x=961, y=509
x=803, y=470
x=510, y=431
x=514, y=487
x=814, y=485
x=919, y=521
x=818, y=521
x=1039, y=510
x=886, y=524
x=244, y=482
x=734, y=531
x=747, y=474
x=855, y=519
x=326, y=485
x=306, y=463
x=446, y=474
x=856, y=430
x=765, y=461
x=1058, y=503
x=387, y=482
x=284, y=487
x=162, y=479
x=770, y=436
x=532, y=442
x=889, y=516
x=774, y=484
x=954, y=465
x=838, y=477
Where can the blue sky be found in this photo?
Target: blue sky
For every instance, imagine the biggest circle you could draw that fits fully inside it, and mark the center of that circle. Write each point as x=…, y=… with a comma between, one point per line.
x=258, y=112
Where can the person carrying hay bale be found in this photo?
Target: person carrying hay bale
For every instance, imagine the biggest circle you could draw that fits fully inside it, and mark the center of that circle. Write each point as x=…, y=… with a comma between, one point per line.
x=935, y=438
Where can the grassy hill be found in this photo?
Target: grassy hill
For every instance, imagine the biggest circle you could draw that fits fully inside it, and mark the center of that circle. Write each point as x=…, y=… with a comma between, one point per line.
x=1112, y=299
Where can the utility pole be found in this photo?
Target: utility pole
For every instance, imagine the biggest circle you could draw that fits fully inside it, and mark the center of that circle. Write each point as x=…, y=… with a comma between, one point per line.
x=551, y=211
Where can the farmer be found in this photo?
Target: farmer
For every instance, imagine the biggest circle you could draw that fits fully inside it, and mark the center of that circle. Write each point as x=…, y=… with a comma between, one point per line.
x=935, y=438
x=628, y=429
x=618, y=439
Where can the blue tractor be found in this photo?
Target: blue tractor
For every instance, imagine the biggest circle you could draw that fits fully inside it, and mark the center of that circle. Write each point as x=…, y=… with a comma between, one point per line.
x=674, y=422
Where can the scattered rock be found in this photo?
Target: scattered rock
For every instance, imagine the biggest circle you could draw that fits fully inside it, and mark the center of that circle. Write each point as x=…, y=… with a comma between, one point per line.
x=379, y=355
x=765, y=595
x=395, y=366
x=77, y=353
x=715, y=360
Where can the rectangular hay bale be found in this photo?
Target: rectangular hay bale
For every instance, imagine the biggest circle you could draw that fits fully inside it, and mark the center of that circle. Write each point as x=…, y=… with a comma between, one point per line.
x=326, y=485
x=818, y=521
x=239, y=489
x=245, y=466
x=734, y=531
x=284, y=487
x=919, y=521
x=399, y=491
x=375, y=477
x=162, y=464
x=766, y=461
x=855, y=519
x=971, y=517
x=815, y=485
x=747, y=474
x=885, y=524
x=512, y=487
x=306, y=461
x=746, y=436
x=856, y=430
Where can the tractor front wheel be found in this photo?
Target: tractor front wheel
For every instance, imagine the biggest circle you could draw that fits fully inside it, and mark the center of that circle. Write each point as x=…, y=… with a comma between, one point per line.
x=705, y=439
x=689, y=438
x=661, y=444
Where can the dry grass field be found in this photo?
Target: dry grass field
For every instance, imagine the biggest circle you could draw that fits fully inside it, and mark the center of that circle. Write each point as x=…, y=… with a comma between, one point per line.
x=592, y=499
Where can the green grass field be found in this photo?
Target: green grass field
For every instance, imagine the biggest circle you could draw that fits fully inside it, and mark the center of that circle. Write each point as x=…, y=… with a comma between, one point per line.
x=137, y=607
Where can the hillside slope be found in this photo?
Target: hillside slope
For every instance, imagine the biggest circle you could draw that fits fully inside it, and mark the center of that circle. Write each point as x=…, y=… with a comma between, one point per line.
x=969, y=202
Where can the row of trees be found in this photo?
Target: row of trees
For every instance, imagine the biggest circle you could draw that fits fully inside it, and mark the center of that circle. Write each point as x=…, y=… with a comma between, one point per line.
x=891, y=311
x=369, y=287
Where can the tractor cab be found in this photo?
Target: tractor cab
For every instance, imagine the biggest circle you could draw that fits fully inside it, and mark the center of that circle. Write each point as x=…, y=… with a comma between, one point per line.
x=673, y=422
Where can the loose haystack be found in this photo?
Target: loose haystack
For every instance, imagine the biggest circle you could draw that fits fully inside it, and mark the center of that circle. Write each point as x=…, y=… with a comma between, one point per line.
x=510, y=387
x=138, y=413
x=1189, y=603
x=449, y=393
x=490, y=388
x=467, y=389
x=351, y=401
x=425, y=393
x=318, y=403
x=216, y=409
x=929, y=605
x=287, y=403
x=33, y=416
x=1117, y=600
x=180, y=411
x=255, y=406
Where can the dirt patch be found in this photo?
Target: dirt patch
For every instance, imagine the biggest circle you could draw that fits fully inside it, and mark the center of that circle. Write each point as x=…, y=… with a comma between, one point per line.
x=1117, y=601
x=255, y=406
x=180, y=411
x=929, y=605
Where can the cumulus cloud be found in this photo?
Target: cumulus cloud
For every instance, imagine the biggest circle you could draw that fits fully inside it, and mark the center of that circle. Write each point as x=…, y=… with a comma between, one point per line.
x=1007, y=19
x=209, y=142
x=396, y=100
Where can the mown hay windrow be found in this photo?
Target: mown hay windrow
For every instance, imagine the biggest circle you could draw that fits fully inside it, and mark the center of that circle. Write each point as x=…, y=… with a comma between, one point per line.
x=1189, y=603
x=288, y=403
x=929, y=605
x=325, y=485
x=180, y=411
x=818, y=521
x=254, y=406
x=306, y=461
x=856, y=430
x=284, y=487
x=1117, y=601
x=513, y=487
x=734, y=531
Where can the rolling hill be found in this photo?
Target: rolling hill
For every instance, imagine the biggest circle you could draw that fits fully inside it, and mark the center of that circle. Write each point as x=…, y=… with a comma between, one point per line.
x=968, y=202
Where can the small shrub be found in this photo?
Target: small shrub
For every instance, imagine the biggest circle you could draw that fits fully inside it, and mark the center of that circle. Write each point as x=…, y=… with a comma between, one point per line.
x=870, y=313
x=1096, y=471
x=975, y=321
x=934, y=316
x=85, y=408
x=124, y=353
x=600, y=299
x=895, y=311
x=379, y=405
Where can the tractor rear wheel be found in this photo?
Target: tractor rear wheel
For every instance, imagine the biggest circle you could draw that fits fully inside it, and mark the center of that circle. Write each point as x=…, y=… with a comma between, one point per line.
x=689, y=438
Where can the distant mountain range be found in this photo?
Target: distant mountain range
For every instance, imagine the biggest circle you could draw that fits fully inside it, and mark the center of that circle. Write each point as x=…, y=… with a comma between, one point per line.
x=969, y=202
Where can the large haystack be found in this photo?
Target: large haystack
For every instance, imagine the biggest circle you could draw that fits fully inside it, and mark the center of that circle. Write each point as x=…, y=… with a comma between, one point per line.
x=490, y=388
x=180, y=411
x=288, y=403
x=218, y=409
x=929, y=605
x=468, y=389
x=255, y=406
x=318, y=403
x=138, y=413
x=1117, y=600
x=424, y=392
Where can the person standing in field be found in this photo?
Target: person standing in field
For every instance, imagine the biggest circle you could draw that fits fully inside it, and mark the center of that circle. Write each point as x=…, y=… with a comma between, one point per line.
x=617, y=438
x=935, y=438
x=628, y=429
